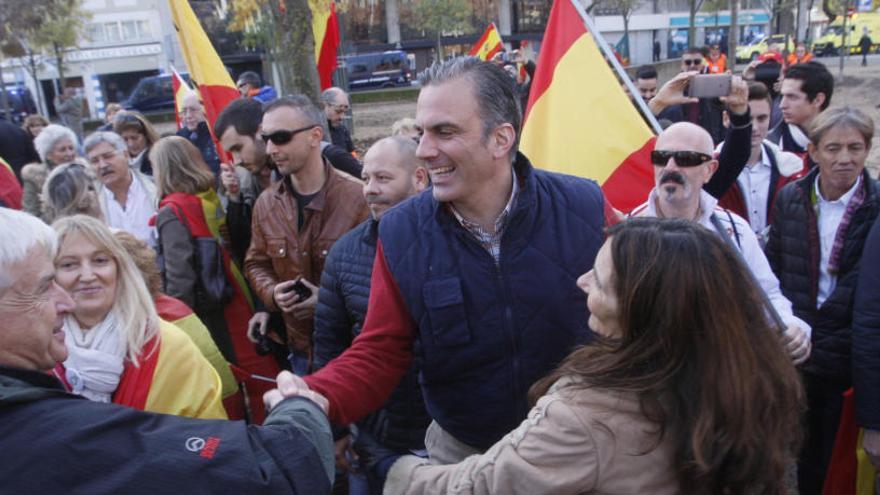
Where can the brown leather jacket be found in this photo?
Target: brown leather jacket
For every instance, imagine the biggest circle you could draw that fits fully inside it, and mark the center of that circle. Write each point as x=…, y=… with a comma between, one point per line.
x=278, y=252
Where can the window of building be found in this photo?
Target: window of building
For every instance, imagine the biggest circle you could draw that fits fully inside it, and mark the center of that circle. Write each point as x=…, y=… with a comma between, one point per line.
x=143, y=29
x=530, y=16
x=112, y=32
x=95, y=33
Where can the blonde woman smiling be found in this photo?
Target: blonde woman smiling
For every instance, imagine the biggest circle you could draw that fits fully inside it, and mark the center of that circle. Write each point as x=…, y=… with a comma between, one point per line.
x=119, y=349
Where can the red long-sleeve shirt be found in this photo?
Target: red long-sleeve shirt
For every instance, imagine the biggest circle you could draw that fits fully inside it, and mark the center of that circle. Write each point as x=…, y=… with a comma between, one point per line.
x=360, y=380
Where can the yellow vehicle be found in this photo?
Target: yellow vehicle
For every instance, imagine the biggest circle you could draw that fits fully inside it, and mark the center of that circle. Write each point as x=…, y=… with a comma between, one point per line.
x=752, y=51
x=832, y=38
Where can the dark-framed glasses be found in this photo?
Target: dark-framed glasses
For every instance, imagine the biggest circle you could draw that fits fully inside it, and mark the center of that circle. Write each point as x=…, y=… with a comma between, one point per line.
x=282, y=136
x=692, y=61
x=682, y=158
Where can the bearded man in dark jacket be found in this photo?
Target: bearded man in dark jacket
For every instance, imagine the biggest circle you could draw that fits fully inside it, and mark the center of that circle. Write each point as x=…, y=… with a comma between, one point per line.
x=391, y=174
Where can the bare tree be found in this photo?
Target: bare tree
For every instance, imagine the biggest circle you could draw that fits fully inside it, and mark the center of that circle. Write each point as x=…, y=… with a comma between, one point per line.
x=694, y=6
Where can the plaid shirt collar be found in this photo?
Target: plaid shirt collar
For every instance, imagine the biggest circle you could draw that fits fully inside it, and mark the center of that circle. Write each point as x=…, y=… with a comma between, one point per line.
x=491, y=242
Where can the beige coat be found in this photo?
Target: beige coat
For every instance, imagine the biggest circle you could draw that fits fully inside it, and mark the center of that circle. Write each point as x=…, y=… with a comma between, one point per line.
x=574, y=440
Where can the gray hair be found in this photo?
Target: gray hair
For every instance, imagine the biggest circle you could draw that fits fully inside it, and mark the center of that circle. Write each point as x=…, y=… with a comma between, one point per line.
x=111, y=138
x=497, y=98
x=301, y=104
x=850, y=117
x=29, y=232
x=328, y=96
x=49, y=137
x=69, y=190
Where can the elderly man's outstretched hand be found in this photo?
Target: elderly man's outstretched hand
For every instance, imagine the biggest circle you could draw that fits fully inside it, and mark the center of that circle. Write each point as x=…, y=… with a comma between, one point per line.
x=290, y=385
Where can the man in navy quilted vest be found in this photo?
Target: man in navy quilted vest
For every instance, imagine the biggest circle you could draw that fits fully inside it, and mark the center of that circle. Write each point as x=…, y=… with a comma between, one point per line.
x=480, y=270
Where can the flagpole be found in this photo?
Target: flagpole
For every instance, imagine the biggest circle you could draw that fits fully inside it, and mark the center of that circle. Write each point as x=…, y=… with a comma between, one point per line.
x=621, y=73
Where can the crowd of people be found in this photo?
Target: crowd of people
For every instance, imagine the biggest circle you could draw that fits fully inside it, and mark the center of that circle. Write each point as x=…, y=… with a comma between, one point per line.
x=435, y=314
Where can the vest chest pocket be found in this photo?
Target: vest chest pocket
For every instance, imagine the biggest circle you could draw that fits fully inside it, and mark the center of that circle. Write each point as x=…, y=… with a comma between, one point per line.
x=444, y=305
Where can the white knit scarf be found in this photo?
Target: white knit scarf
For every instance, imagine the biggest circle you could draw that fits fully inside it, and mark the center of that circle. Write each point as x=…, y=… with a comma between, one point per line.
x=96, y=358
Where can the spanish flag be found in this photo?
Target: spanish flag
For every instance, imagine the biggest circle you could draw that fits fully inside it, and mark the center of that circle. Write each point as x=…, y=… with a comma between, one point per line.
x=180, y=88
x=488, y=45
x=205, y=67
x=325, y=29
x=850, y=471
x=579, y=120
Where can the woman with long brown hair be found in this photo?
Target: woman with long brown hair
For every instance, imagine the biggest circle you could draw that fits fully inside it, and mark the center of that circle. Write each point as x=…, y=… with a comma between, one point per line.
x=197, y=267
x=688, y=388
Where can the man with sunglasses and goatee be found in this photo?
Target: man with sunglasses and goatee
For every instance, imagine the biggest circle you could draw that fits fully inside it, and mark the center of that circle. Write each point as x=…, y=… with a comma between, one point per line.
x=683, y=163
x=297, y=219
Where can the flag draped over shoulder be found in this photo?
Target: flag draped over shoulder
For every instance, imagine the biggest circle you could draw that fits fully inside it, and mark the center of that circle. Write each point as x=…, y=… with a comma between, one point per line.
x=205, y=67
x=580, y=121
x=488, y=45
x=325, y=29
x=180, y=88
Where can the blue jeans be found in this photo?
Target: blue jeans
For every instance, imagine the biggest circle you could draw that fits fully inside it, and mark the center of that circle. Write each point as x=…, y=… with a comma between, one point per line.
x=299, y=363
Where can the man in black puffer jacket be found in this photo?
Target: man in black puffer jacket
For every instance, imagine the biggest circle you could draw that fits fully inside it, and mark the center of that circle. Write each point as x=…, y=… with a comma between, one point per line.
x=815, y=248
x=391, y=174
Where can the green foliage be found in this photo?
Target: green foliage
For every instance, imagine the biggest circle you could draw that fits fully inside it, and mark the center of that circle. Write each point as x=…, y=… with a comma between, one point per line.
x=442, y=16
x=20, y=17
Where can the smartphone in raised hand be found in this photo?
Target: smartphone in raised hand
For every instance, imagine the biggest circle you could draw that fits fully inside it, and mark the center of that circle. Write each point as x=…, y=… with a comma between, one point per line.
x=708, y=86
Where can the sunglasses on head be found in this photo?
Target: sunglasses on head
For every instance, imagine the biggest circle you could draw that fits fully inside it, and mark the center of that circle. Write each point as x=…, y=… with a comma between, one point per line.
x=682, y=158
x=692, y=61
x=283, y=137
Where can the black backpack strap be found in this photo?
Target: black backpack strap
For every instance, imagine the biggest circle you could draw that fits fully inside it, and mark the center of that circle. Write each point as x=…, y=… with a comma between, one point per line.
x=723, y=231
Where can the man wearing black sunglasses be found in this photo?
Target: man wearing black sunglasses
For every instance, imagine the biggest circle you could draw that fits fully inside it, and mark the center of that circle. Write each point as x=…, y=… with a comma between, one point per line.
x=676, y=107
x=683, y=162
x=297, y=219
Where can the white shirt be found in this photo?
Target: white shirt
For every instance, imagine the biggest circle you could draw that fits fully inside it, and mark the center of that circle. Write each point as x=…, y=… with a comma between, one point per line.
x=134, y=216
x=745, y=239
x=830, y=214
x=754, y=182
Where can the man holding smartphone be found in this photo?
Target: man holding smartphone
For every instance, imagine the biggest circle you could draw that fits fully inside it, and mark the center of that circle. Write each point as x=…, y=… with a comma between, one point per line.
x=695, y=108
x=297, y=219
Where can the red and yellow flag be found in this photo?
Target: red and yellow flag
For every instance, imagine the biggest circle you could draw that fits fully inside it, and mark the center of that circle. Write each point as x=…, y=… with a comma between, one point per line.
x=488, y=45
x=10, y=189
x=325, y=29
x=850, y=471
x=580, y=121
x=206, y=70
x=180, y=88
x=205, y=67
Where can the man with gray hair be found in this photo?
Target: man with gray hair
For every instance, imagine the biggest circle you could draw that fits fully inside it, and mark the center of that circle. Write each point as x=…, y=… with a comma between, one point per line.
x=128, y=197
x=92, y=446
x=336, y=105
x=297, y=219
x=481, y=273
x=392, y=174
